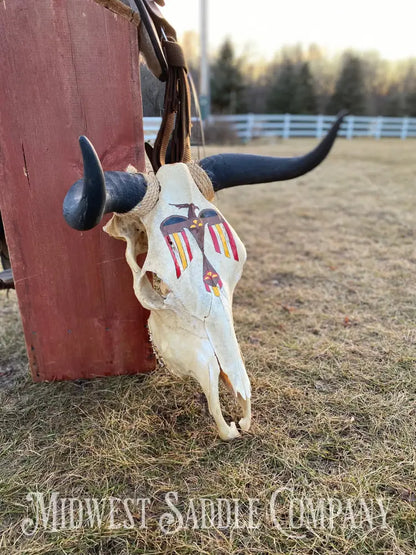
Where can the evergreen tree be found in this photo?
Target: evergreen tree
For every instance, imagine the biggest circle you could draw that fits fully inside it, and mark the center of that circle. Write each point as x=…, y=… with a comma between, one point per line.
x=227, y=82
x=282, y=89
x=409, y=90
x=410, y=102
x=392, y=102
x=304, y=99
x=349, y=89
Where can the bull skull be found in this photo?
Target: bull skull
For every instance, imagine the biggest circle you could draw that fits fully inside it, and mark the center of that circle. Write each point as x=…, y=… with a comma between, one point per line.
x=195, y=256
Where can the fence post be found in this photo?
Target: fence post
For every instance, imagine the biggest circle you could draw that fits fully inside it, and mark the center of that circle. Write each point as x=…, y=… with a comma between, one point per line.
x=249, y=127
x=378, y=128
x=405, y=125
x=286, y=126
x=350, y=127
x=319, y=126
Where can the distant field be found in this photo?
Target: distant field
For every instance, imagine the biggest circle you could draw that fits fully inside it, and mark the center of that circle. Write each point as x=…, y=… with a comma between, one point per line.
x=326, y=318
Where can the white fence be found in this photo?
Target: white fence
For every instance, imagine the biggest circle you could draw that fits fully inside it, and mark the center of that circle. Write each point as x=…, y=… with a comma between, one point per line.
x=252, y=126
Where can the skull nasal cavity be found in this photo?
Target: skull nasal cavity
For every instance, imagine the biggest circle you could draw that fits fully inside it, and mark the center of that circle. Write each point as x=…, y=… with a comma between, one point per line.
x=158, y=284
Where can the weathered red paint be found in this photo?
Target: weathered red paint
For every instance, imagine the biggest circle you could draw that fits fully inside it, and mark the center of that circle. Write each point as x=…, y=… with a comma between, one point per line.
x=66, y=69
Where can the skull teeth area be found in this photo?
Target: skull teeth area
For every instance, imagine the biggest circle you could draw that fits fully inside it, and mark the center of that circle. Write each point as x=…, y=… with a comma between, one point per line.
x=158, y=356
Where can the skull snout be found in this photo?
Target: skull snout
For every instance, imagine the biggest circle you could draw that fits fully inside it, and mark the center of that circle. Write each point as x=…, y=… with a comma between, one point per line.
x=186, y=349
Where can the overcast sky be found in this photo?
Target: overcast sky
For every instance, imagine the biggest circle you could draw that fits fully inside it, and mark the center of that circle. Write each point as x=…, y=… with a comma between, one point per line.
x=388, y=26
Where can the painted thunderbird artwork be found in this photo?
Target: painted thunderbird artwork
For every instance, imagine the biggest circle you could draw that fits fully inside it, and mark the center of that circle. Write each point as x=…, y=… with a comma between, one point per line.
x=175, y=229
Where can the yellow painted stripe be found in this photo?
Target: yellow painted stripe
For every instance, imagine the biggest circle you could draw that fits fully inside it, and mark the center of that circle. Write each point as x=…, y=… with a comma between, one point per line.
x=216, y=291
x=224, y=242
x=180, y=249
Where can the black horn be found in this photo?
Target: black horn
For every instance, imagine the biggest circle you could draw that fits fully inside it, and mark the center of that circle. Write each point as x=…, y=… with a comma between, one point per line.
x=99, y=193
x=230, y=170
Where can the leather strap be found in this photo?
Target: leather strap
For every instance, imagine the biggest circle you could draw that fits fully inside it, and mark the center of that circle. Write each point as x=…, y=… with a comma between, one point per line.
x=175, y=129
x=165, y=58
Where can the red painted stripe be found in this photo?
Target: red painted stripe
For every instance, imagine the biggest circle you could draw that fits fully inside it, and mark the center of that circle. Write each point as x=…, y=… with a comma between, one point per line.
x=177, y=268
x=188, y=248
x=231, y=239
x=214, y=239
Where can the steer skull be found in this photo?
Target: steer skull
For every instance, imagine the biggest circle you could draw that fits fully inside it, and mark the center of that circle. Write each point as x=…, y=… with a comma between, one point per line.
x=194, y=254
x=196, y=259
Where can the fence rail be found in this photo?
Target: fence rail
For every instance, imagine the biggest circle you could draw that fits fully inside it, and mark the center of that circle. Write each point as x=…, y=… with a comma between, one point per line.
x=252, y=126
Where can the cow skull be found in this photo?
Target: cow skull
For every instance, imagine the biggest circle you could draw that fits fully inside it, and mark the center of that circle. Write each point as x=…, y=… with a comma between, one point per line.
x=194, y=255
x=196, y=259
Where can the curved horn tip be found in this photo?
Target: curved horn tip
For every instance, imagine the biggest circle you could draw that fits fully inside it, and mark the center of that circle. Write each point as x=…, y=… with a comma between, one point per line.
x=88, y=151
x=342, y=114
x=82, y=139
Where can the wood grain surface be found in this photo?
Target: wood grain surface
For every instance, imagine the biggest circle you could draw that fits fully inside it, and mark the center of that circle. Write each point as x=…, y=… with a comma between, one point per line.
x=67, y=69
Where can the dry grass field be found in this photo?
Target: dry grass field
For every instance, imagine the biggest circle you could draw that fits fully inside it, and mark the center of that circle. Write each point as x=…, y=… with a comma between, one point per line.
x=326, y=318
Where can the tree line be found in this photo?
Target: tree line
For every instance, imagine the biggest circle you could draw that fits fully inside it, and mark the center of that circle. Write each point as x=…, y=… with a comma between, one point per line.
x=300, y=81
x=297, y=81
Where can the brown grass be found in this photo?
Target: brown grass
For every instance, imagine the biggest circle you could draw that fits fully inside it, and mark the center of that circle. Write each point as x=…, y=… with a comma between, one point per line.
x=325, y=314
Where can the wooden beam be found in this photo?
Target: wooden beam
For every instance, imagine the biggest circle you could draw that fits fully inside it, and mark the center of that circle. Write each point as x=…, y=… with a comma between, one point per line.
x=74, y=71
x=119, y=8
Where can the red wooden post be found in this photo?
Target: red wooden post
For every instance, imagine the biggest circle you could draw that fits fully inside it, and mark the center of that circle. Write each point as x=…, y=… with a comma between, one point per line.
x=66, y=69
